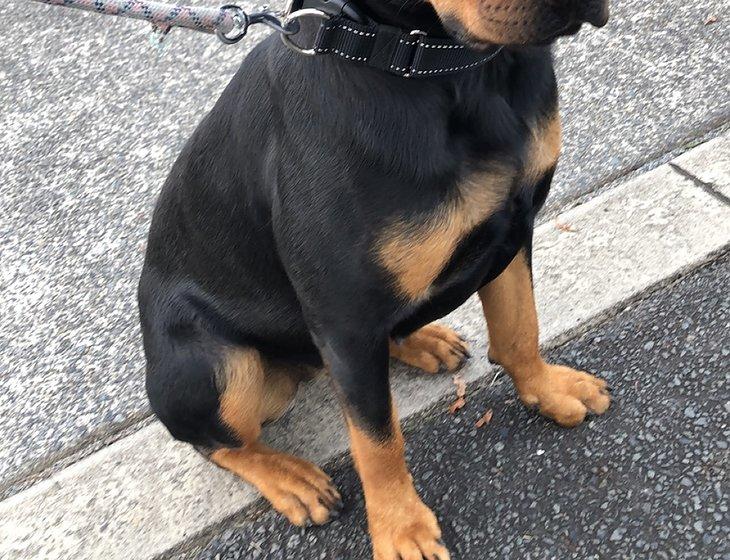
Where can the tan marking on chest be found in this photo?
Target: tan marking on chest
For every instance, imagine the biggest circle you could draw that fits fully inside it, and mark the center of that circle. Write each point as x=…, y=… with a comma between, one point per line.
x=416, y=252
x=544, y=149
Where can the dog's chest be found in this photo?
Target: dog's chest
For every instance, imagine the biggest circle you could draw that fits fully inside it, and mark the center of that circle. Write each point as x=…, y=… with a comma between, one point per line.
x=460, y=235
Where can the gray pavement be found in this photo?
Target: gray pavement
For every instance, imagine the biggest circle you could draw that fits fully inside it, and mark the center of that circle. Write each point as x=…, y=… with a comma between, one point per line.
x=648, y=480
x=93, y=117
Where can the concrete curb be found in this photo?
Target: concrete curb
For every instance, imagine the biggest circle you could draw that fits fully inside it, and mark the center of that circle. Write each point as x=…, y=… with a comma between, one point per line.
x=145, y=494
x=710, y=164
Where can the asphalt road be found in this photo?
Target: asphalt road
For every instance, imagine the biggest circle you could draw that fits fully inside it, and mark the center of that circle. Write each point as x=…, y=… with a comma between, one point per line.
x=92, y=118
x=648, y=480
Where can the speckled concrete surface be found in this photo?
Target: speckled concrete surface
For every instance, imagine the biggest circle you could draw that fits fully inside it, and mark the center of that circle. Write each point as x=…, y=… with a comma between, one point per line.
x=648, y=480
x=93, y=117
x=645, y=84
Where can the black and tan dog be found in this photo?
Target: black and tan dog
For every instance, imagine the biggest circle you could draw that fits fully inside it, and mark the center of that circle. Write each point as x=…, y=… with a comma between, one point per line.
x=323, y=215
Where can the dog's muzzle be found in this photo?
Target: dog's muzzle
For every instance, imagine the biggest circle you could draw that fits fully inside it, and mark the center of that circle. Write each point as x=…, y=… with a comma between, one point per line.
x=594, y=12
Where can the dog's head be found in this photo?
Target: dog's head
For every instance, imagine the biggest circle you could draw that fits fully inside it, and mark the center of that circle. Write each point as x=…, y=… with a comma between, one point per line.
x=517, y=22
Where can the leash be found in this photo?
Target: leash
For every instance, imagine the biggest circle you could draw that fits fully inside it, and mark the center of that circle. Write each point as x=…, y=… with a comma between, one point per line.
x=341, y=30
x=229, y=23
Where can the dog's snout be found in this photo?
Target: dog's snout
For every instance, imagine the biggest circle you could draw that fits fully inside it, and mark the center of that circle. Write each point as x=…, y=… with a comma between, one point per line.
x=594, y=12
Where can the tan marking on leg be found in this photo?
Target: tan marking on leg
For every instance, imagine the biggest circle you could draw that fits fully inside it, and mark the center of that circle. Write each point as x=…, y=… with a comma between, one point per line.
x=400, y=524
x=254, y=391
x=415, y=253
x=280, y=386
x=296, y=488
x=561, y=393
x=241, y=379
x=431, y=347
x=544, y=149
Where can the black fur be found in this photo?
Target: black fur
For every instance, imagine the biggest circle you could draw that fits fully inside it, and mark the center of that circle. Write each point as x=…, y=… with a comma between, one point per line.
x=263, y=233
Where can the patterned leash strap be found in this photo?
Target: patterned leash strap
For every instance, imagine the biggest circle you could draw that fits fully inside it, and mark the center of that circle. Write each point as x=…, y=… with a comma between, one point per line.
x=221, y=21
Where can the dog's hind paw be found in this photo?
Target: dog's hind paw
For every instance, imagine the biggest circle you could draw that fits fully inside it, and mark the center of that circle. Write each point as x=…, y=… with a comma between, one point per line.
x=296, y=488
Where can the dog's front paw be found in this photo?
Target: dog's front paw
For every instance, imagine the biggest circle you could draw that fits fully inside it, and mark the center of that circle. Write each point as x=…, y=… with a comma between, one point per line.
x=564, y=394
x=406, y=529
x=431, y=348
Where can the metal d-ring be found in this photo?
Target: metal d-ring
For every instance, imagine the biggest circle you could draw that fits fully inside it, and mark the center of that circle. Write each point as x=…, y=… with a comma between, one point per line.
x=294, y=18
x=241, y=23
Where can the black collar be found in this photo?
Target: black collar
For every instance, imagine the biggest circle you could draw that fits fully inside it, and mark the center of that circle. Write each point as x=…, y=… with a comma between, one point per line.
x=342, y=30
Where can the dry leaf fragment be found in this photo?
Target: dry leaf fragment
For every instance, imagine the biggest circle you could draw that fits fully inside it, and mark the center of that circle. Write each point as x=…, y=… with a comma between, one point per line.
x=711, y=19
x=457, y=405
x=486, y=419
x=460, y=386
x=460, y=401
x=565, y=227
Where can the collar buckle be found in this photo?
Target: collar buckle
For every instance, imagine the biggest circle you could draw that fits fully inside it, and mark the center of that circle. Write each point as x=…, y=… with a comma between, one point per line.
x=413, y=59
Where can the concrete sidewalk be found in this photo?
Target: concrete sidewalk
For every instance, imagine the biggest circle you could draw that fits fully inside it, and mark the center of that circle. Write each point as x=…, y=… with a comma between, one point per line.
x=93, y=117
x=146, y=495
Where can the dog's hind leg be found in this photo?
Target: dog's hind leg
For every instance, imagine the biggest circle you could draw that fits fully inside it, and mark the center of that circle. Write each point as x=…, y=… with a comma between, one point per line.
x=247, y=391
x=254, y=392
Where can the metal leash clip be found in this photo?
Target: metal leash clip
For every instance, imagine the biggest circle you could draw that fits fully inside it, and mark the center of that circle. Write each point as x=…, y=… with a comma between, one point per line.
x=243, y=21
x=292, y=22
x=298, y=10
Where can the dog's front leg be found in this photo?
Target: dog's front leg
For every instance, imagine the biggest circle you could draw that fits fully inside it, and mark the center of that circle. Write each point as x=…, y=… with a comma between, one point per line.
x=560, y=392
x=401, y=525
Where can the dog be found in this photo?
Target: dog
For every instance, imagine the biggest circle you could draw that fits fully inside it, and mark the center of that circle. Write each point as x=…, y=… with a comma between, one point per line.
x=324, y=214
